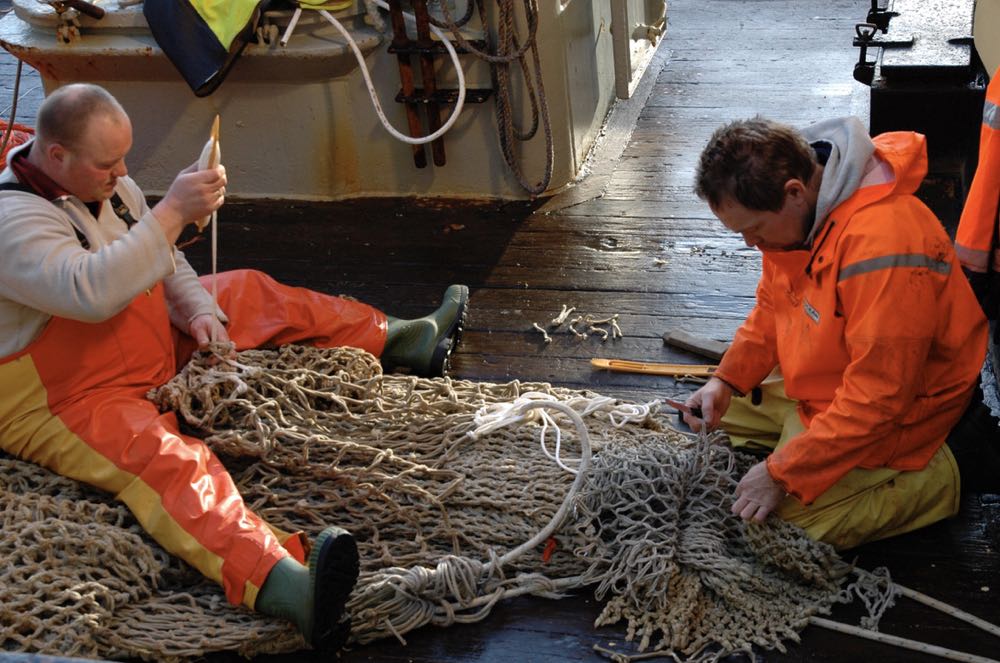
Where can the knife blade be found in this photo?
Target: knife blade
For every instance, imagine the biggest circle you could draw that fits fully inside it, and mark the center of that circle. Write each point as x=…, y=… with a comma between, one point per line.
x=686, y=409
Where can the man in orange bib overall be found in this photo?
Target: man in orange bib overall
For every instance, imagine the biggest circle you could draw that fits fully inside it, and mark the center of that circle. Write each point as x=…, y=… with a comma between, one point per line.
x=866, y=341
x=97, y=307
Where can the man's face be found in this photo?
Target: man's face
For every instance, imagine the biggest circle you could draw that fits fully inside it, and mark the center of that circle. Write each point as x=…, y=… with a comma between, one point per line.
x=91, y=170
x=784, y=230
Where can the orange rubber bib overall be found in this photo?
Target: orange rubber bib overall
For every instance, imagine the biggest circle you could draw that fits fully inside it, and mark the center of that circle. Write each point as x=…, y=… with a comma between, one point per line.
x=74, y=401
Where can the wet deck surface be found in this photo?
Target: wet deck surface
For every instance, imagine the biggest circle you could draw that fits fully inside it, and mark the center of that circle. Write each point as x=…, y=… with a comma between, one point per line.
x=643, y=248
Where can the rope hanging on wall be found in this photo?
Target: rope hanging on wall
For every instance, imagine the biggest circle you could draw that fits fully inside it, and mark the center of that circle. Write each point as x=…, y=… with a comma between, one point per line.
x=509, y=51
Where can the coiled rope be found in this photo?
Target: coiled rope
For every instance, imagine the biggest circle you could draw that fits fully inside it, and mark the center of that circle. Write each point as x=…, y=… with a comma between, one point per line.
x=501, y=56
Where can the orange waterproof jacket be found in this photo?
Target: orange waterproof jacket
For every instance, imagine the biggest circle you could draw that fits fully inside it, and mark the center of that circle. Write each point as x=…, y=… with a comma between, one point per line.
x=875, y=329
x=974, y=241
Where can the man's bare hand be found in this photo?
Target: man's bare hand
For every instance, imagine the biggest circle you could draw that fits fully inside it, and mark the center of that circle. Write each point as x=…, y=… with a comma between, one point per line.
x=713, y=399
x=206, y=328
x=757, y=494
x=194, y=194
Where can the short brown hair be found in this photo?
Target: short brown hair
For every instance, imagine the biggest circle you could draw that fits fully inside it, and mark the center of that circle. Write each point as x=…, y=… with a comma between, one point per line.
x=64, y=115
x=749, y=161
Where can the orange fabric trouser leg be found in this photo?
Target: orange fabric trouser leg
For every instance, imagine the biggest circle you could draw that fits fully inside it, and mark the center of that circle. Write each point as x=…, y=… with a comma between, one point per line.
x=74, y=402
x=177, y=488
x=262, y=312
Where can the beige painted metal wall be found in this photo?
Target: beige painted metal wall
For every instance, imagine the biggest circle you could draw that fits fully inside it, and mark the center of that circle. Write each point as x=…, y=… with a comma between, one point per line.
x=986, y=31
x=297, y=121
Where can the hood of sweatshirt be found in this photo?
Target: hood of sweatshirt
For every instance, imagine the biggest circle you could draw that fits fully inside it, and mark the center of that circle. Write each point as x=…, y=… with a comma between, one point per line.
x=849, y=152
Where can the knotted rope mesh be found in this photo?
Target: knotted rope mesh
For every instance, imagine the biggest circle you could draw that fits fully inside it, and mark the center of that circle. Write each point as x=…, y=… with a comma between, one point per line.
x=458, y=495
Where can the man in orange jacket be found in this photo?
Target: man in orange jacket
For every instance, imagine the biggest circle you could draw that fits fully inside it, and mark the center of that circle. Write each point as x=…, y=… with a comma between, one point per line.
x=979, y=228
x=97, y=307
x=866, y=340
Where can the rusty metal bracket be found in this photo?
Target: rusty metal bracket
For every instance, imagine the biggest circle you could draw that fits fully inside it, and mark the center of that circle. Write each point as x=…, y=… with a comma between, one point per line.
x=425, y=43
x=400, y=41
x=444, y=96
x=81, y=6
x=430, y=97
x=437, y=48
x=472, y=96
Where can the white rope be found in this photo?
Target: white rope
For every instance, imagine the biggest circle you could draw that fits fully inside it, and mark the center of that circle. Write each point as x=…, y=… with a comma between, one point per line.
x=563, y=314
x=499, y=415
x=522, y=409
x=878, y=592
x=215, y=268
x=630, y=412
x=894, y=588
x=211, y=157
x=949, y=609
x=897, y=641
x=371, y=87
x=585, y=455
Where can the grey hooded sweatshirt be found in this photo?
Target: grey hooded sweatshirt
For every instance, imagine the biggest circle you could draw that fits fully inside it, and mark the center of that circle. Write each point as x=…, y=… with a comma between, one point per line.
x=44, y=271
x=849, y=165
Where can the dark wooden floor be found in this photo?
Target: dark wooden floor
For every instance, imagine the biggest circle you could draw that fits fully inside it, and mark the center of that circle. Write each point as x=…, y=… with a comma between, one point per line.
x=647, y=250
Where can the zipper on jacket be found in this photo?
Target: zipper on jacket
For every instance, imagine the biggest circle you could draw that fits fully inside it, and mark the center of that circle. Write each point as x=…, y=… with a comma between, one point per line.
x=826, y=231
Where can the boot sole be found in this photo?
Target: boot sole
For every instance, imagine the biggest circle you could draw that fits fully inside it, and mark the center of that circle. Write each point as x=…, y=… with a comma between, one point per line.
x=333, y=567
x=441, y=358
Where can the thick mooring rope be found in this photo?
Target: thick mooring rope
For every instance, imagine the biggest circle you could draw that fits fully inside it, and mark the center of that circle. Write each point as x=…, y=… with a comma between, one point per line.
x=454, y=495
x=509, y=50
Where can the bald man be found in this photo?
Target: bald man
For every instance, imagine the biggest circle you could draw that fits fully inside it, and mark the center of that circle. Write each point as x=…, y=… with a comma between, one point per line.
x=97, y=307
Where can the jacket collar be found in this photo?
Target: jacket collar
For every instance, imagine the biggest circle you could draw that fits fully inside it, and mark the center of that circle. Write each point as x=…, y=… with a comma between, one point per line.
x=906, y=154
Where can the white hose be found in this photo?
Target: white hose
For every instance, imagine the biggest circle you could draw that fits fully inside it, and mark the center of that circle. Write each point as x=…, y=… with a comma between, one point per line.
x=374, y=95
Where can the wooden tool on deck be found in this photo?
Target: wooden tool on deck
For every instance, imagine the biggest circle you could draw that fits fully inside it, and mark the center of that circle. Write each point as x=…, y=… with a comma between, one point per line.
x=706, y=347
x=676, y=370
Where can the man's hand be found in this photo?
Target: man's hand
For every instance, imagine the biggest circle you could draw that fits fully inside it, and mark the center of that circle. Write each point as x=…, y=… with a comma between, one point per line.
x=206, y=328
x=194, y=194
x=757, y=494
x=713, y=399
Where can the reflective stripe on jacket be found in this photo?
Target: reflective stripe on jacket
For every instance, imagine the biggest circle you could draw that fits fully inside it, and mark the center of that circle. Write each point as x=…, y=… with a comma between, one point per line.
x=875, y=329
x=975, y=239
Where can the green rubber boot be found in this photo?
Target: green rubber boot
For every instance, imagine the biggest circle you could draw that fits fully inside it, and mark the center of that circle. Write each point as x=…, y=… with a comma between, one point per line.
x=313, y=597
x=423, y=346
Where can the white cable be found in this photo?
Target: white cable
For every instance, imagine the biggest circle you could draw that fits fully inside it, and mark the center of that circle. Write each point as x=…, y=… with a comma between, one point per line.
x=291, y=26
x=374, y=95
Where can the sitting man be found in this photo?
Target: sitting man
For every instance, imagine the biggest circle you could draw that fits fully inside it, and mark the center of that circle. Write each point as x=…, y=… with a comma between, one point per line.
x=97, y=307
x=865, y=343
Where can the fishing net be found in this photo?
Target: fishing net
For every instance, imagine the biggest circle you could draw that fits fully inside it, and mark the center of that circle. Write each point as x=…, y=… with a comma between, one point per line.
x=460, y=495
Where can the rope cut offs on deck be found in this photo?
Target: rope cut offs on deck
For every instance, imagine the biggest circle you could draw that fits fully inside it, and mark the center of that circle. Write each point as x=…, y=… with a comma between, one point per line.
x=588, y=325
x=460, y=495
